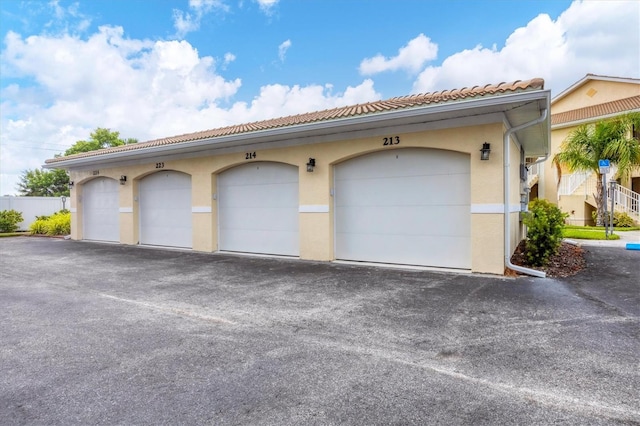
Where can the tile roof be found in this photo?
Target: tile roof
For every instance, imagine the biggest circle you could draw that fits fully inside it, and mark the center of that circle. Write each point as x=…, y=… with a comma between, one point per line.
x=594, y=111
x=370, y=108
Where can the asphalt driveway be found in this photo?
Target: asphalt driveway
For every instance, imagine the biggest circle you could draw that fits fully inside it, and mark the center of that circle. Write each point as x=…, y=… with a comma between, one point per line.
x=109, y=334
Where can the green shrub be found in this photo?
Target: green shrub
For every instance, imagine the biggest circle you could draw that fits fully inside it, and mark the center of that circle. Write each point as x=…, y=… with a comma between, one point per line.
x=620, y=219
x=9, y=220
x=545, y=223
x=39, y=227
x=57, y=224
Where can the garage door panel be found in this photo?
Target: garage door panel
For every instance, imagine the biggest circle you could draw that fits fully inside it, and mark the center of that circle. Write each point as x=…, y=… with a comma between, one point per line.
x=409, y=206
x=164, y=235
x=101, y=210
x=160, y=196
x=442, y=251
x=165, y=210
x=256, y=174
x=272, y=218
x=263, y=242
x=422, y=220
x=258, y=209
x=436, y=162
x=245, y=196
x=430, y=190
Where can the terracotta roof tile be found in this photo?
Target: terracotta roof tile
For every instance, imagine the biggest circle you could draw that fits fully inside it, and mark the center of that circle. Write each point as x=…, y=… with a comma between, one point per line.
x=604, y=109
x=370, y=108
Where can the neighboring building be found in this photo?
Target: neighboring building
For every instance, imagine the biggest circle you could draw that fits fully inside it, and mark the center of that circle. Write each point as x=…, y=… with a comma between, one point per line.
x=399, y=181
x=594, y=98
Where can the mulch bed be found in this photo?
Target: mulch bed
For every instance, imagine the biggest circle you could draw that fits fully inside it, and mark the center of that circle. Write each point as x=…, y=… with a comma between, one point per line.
x=569, y=260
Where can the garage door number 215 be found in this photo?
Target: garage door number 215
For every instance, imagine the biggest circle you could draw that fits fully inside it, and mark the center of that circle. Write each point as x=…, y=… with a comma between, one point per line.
x=391, y=140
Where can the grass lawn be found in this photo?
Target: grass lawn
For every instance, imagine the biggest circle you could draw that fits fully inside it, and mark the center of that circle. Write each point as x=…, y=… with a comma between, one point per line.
x=601, y=228
x=588, y=233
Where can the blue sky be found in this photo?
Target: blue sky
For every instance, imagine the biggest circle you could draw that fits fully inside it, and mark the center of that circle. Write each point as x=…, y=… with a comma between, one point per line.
x=152, y=69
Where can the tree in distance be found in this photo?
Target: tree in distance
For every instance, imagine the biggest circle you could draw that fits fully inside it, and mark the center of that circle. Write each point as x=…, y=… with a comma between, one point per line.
x=55, y=183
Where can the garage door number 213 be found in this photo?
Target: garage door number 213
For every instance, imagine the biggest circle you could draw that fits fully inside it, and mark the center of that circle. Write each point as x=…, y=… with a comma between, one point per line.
x=391, y=140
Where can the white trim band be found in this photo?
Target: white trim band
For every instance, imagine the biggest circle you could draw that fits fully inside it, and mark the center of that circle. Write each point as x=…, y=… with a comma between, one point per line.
x=493, y=208
x=73, y=210
x=201, y=209
x=314, y=208
x=125, y=209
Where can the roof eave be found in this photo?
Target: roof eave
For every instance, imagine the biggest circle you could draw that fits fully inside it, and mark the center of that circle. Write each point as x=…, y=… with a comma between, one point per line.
x=427, y=113
x=593, y=119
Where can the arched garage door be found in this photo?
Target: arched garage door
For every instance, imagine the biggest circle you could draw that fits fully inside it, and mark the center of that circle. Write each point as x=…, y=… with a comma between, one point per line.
x=101, y=210
x=404, y=206
x=165, y=209
x=258, y=209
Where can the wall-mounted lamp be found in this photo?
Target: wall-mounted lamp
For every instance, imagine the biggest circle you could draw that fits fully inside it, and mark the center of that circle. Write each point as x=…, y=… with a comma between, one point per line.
x=311, y=164
x=485, y=151
x=70, y=184
x=123, y=180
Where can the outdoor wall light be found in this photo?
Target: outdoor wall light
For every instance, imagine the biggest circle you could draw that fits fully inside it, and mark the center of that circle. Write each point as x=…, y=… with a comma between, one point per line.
x=123, y=180
x=70, y=184
x=485, y=151
x=311, y=164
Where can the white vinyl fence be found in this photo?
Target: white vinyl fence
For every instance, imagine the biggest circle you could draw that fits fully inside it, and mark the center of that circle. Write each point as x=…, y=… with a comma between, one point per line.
x=30, y=207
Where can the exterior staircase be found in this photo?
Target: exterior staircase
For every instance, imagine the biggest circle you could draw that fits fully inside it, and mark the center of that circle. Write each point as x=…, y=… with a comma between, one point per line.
x=584, y=184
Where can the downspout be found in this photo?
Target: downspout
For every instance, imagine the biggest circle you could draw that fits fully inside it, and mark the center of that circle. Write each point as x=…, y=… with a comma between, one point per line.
x=507, y=214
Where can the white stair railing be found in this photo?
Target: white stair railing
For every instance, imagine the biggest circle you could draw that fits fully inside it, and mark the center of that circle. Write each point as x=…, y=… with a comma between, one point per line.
x=586, y=180
x=570, y=183
x=627, y=201
x=533, y=172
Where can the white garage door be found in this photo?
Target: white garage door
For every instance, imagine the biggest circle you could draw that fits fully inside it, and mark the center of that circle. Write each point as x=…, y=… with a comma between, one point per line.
x=258, y=209
x=101, y=210
x=165, y=209
x=404, y=206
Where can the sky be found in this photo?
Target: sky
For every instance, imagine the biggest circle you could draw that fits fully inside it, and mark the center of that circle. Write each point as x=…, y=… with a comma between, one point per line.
x=157, y=68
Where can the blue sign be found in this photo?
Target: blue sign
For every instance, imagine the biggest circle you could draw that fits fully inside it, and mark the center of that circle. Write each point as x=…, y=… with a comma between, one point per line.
x=603, y=163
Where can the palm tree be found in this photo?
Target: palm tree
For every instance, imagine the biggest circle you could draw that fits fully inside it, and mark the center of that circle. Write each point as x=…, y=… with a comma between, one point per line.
x=612, y=140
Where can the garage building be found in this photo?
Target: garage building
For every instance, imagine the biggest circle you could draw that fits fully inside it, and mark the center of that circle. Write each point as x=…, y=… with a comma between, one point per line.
x=435, y=180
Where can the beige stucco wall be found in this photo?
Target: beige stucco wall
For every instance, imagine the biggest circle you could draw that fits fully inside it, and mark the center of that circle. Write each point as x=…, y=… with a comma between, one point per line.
x=316, y=229
x=591, y=93
x=577, y=208
x=550, y=181
x=595, y=92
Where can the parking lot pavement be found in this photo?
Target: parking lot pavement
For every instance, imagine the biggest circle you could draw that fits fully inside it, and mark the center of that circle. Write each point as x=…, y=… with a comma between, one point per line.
x=108, y=334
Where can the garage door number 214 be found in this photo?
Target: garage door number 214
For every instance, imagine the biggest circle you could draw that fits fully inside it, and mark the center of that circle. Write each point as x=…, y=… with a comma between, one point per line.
x=391, y=140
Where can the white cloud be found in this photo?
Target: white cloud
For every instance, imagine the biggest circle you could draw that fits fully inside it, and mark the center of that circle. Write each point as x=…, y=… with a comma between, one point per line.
x=267, y=6
x=144, y=89
x=70, y=84
x=598, y=37
x=186, y=22
x=68, y=19
x=282, y=49
x=227, y=59
x=411, y=58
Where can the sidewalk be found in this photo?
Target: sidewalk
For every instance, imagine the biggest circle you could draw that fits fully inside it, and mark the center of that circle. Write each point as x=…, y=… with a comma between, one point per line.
x=625, y=237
